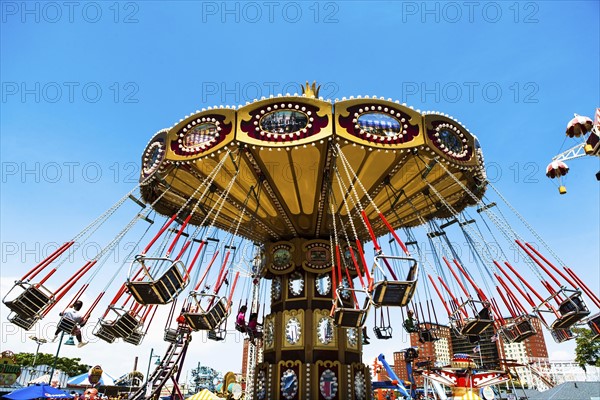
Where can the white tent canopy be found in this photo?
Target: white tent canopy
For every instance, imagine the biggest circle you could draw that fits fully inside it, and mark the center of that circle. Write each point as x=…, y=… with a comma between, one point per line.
x=83, y=380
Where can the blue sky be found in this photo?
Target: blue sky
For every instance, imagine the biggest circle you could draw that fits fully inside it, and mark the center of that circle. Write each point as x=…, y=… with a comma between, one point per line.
x=85, y=88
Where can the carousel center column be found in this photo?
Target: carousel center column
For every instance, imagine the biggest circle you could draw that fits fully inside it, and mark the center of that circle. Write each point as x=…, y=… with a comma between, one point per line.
x=305, y=355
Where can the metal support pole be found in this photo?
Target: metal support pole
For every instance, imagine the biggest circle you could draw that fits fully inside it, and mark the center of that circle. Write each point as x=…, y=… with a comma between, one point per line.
x=148, y=371
x=62, y=333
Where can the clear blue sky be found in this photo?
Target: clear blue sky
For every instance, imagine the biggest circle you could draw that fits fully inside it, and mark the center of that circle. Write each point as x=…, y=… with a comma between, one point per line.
x=85, y=86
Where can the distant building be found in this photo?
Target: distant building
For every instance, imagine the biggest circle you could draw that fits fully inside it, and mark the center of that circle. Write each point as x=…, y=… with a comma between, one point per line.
x=437, y=353
x=484, y=351
x=531, y=350
x=258, y=356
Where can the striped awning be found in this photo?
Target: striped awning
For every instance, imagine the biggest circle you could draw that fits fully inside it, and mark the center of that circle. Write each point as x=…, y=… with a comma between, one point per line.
x=204, y=394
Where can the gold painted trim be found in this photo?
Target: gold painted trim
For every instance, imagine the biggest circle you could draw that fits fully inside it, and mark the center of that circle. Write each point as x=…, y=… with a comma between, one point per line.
x=173, y=135
x=270, y=254
x=325, y=109
x=317, y=316
x=287, y=316
x=342, y=111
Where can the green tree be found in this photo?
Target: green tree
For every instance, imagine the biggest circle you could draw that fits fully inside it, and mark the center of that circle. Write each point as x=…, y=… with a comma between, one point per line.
x=71, y=366
x=587, y=351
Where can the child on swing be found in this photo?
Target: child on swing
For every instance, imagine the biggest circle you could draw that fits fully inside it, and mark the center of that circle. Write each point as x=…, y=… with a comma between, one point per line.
x=253, y=325
x=410, y=324
x=74, y=315
x=240, y=320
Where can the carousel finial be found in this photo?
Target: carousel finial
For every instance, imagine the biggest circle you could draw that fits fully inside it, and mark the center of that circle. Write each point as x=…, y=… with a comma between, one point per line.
x=311, y=90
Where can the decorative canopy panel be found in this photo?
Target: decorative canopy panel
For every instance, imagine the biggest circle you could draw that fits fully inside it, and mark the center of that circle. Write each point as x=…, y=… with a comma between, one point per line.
x=293, y=159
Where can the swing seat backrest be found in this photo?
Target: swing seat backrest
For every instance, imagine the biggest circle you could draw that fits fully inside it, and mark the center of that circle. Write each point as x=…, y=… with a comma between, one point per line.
x=144, y=292
x=410, y=327
x=157, y=290
x=125, y=324
x=572, y=310
x=25, y=323
x=510, y=333
x=520, y=330
x=594, y=324
x=348, y=316
x=209, y=319
x=392, y=292
x=104, y=330
x=475, y=326
x=217, y=335
x=66, y=325
x=562, y=335
x=171, y=335
x=427, y=335
x=31, y=301
x=135, y=338
x=172, y=282
x=525, y=326
x=472, y=326
x=383, y=332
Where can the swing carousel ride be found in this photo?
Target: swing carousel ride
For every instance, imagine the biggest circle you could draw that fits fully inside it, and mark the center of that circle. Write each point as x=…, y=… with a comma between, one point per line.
x=311, y=197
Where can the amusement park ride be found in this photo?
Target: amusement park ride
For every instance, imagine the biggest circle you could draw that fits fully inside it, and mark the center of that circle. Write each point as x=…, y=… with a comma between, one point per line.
x=301, y=192
x=587, y=133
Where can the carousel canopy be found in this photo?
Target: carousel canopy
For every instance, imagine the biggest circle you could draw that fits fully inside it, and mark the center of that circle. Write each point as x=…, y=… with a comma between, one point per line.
x=281, y=161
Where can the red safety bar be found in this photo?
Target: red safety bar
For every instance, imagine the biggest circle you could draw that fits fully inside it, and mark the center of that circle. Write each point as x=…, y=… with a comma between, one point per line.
x=558, y=271
x=179, y=232
x=206, y=271
x=44, y=263
x=237, y=275
x=595, y=299
x=160, y=232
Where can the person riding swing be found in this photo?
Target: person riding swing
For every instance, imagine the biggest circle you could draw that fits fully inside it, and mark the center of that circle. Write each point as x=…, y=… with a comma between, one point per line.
x=240, y=320
x=74, y=315
x=410, y=323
